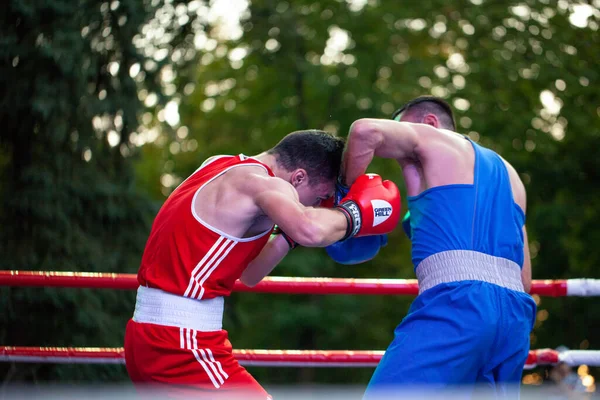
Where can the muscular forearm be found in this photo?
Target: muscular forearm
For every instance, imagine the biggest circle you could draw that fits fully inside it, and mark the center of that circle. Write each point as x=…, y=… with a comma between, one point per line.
x=526, y=271
x=526, y=277
x=355, y=164
x=359, y=152
x=320, y=227
x=273, y=252
x=381, y=138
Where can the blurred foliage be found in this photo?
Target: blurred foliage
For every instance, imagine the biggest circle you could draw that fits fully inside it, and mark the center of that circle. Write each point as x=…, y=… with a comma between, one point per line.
x=522, y=76
x=68, y=193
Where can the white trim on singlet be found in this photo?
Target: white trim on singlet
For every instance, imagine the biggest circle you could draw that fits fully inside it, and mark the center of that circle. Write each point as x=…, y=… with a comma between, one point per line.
x=206, y=162
x=244, y=157
x=204, y=276
x=211, y=260
x=210, y=160
x=212, y=228
x=210, y=267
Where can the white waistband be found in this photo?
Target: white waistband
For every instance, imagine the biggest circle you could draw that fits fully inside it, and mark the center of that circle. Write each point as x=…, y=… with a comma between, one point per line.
x=465, y=265
x=154, y=306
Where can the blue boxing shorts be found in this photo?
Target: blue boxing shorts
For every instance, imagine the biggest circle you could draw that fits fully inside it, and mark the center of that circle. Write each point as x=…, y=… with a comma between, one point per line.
x=463, y=335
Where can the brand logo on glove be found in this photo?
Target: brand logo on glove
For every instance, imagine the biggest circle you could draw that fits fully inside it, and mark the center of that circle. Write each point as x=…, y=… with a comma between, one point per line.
x=357, y=221
x=381, y=211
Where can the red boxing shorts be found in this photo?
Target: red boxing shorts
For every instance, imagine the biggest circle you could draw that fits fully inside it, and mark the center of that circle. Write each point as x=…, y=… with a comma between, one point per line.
x=190, y=363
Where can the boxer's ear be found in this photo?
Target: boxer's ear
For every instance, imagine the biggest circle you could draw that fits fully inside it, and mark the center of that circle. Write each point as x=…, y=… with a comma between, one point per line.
x=431, y=119
x=298, y=177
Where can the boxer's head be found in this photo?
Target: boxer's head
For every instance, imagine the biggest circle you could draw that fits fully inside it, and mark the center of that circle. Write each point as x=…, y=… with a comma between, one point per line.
x=311, y=160
x=428, y=110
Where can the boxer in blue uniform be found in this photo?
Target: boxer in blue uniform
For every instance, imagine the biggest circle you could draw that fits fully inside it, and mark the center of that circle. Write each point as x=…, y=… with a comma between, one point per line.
x=470, y=324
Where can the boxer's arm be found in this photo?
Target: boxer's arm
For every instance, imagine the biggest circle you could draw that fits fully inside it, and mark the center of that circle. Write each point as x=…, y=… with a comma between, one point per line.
x=526, y=271
x=308, y=226
x=273, y=252
x=382, y=138
x=520, y=198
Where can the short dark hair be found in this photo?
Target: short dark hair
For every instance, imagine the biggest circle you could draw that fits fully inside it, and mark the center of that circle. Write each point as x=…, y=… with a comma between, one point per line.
x=318, y=152
x=424, y=105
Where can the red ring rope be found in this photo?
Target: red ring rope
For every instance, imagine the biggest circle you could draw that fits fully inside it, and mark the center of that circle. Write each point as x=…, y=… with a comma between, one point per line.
x=283, y=285
x=297, y=358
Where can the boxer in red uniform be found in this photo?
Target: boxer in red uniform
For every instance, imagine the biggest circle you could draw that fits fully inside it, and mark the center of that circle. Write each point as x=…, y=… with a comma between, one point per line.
x=216, y=228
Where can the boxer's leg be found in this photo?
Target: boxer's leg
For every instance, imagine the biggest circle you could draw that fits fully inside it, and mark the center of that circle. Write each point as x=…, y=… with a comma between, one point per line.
x=186, y=362
x=243, y=386
x=130, y=351
x=504, y=370
x=441, y=343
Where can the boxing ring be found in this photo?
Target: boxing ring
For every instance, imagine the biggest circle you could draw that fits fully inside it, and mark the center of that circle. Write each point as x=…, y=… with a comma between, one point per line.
x=283, y=285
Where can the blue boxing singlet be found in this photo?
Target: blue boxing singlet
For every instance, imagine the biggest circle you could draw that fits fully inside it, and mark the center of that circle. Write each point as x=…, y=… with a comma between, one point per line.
x=469, y=326
x=481, y=217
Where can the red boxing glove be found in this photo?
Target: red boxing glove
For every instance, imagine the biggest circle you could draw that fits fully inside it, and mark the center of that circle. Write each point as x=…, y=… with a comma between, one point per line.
x=372, y=206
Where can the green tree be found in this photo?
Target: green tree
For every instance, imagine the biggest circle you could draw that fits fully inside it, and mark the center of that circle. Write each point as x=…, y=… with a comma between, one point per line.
x=68, y=193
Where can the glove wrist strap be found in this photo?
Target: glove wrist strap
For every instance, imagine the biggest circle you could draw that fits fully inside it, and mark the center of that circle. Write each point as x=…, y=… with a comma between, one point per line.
x=352, y=213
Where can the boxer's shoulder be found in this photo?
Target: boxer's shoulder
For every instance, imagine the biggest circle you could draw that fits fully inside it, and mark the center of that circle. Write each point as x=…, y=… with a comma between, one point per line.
x=255, y=180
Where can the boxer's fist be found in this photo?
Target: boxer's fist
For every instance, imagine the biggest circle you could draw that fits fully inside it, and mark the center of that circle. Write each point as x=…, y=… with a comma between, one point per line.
x=353, y=250
x=372, y=206
x=356, y=250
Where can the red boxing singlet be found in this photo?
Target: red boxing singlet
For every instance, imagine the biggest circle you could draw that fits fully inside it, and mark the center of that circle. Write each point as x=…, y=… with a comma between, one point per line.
x=186, y=256
x=166, y=341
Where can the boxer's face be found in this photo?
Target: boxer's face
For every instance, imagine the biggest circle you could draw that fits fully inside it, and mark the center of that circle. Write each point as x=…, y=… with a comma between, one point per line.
x=313, y=194
x=311, y=191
